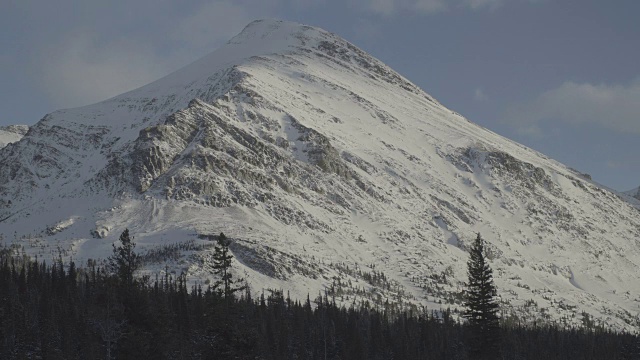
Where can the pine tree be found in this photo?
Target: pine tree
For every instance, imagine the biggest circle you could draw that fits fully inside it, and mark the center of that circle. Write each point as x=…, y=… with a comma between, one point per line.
x=222, y=266
x=124, y=261
x=482, y=305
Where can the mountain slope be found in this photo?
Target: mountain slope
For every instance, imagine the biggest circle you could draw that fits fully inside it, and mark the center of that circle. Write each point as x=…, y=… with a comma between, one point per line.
x=326, y=167
x=12, y=133
x=635, y=193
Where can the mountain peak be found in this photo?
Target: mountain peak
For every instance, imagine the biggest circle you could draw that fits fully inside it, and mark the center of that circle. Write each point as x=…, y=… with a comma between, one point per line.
x=270, y=36
x=312, y=154
x=271, y=29
x=258, y=38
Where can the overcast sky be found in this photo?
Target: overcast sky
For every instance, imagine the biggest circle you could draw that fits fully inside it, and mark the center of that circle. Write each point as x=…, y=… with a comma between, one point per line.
x=560, y=76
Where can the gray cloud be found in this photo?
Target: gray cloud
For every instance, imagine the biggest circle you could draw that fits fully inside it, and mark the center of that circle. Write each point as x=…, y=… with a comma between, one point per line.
x=365, y=29
x=305, y=4
x=430, y=6
x=616, y=107
x=479, y=95
x=479, y=4
x=87, y=64
x=391, y=7
x=80, y=71
x=108, y=51
x=212, y=24
x=384, y=7
x=624, y=164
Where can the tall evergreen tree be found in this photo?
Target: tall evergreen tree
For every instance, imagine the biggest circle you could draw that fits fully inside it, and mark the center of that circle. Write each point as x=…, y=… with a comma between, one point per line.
x=124, y=261
x=482, y=305
x=222, y=265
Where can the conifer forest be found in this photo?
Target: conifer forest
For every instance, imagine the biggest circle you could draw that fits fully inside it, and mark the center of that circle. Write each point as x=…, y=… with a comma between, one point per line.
x=62, y=311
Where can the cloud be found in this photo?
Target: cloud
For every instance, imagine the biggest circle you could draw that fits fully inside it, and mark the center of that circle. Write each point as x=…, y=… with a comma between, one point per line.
x=391, y=7
x=483, y=4
x=306, y=4
x=211, y=25
x=624, y=164
x=616, y=107
x=492, y=4
x=479, y=95
x=87, y=64
x=80, y=70
x=365, y=29
x=427, y=7
x=430, y=6
x=531, y=131
x=103, y=50
x=383, y=7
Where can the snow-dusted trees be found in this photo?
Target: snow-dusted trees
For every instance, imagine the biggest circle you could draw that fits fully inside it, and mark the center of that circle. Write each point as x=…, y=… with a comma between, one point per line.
x=482, y=305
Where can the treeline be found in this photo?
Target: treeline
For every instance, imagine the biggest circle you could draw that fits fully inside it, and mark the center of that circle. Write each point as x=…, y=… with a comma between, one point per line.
x=58, y=311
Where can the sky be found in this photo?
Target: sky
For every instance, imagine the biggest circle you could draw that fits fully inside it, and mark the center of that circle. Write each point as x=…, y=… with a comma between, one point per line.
x=560, y=76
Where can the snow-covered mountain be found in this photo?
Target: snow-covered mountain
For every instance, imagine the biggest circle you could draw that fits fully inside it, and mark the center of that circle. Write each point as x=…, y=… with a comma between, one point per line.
x=331, y=172
x=635, y=193
x=12, y=133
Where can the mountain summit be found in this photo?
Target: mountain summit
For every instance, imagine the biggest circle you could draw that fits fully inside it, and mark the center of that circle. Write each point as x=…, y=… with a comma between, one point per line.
x=330, y=172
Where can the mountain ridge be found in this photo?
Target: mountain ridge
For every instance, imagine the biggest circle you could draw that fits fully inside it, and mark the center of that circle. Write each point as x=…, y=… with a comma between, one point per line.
x=12, y=133
x=321, y=163
x=634, y=193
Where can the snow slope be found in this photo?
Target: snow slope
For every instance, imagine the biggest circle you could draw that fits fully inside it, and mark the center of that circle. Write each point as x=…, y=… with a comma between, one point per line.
x=12, y=133
x=635, y=193
x=331, y=172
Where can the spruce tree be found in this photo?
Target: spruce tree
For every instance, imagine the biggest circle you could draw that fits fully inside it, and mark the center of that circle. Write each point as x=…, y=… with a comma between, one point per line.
x=222, y=266
x=124, y=261
x=482, y=305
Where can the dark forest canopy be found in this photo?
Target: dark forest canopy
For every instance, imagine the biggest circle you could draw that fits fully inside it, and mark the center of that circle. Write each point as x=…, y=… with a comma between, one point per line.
x=60, y=311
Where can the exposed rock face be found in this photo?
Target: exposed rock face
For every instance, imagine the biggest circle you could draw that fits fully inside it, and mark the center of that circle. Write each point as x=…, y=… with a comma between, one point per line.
x=324, y=165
